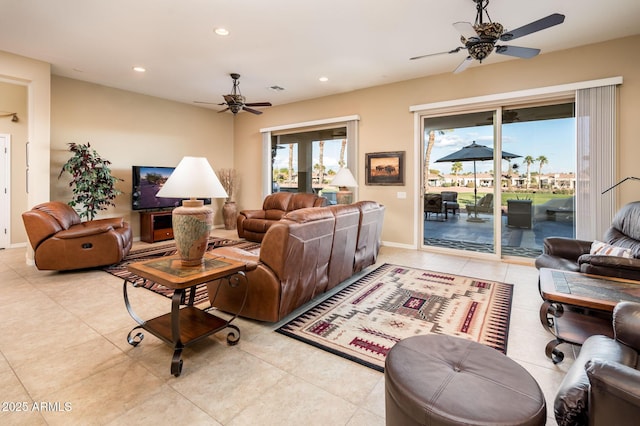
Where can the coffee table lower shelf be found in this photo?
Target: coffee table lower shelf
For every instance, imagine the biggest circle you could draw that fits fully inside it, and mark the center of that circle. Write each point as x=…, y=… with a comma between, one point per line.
x=571, y=325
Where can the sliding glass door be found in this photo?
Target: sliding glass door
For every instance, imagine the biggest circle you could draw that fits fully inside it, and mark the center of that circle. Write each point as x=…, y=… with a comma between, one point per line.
x=499, y=181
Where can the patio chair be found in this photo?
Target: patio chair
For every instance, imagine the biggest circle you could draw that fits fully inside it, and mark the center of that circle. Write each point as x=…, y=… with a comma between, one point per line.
x=450, y=199
x=484, y=205
x=433, y=204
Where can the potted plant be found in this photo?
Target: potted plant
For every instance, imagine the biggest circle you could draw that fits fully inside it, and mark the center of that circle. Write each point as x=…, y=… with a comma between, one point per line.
x=94, y=187
x=229, y=180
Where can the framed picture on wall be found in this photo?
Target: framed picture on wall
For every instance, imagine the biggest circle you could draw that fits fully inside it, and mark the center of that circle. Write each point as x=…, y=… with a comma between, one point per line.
x=384, y=168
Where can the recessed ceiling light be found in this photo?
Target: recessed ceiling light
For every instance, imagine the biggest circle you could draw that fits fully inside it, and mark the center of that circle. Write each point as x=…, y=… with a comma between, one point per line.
x=323, y=79
x=139, y=69
x=222, y=31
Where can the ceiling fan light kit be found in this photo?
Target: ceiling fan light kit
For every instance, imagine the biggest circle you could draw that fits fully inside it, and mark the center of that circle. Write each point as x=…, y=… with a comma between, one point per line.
x=481, y=38
x=235, y=102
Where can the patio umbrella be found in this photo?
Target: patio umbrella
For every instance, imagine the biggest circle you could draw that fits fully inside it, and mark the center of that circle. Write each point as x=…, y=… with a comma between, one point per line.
x=474, y=152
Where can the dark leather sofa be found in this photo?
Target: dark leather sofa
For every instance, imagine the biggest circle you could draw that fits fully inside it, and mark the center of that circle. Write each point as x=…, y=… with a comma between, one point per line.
x=306, y=253
x=574, y=255
x=62, y=242
x=253, y=224
x=602, y=387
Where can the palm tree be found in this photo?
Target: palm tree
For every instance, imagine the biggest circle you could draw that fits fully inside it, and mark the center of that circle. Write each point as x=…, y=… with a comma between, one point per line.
x=427, y=156
x=455, y=169
x=343, y=147
x=290, y=174
x=321, y=161
x=542, y=160
x=528, y=161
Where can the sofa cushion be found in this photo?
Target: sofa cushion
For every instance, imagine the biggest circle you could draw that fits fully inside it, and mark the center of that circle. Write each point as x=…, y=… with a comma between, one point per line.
x=598, y=248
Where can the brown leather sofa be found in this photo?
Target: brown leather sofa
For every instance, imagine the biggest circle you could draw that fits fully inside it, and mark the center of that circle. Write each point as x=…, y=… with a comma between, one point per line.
x=62, y=242
x=253, y=224
x=574, y=255
x=602, y=387
x=306, y=253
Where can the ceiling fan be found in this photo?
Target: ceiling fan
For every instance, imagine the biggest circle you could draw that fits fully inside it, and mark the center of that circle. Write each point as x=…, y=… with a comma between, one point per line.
x=481, y=38
x=235, y=102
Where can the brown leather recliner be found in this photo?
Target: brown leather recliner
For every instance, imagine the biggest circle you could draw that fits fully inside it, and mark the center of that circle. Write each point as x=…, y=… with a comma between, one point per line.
x=574, y=255
x=602, y=387
x=307, y=253
x=62, y=242
x=293, y=267
x=369, y=232
x=253, y=224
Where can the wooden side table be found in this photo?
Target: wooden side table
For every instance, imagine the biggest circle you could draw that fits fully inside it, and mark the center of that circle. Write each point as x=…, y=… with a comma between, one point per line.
x=578, y=305
x=183, y=326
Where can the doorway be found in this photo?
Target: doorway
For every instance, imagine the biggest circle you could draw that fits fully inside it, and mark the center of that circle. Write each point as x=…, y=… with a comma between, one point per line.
x=5, y=194
x=503, y=179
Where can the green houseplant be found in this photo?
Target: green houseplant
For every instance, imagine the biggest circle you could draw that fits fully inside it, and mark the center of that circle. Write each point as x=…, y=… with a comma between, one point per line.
x=91, y=179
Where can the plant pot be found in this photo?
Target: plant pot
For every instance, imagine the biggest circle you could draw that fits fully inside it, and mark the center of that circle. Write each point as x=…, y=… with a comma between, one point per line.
x=230, y=214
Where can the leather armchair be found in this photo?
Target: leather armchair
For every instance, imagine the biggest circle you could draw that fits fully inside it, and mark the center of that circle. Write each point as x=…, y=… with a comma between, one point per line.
x=62, y=242
x=602, y=387
x=253, y=224
x=574, y=255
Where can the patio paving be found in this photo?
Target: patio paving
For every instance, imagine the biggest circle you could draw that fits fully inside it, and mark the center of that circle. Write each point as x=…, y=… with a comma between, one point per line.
x=458, y=233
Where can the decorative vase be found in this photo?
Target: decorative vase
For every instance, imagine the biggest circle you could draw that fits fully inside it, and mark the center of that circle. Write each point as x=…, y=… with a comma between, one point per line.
x=230, y=214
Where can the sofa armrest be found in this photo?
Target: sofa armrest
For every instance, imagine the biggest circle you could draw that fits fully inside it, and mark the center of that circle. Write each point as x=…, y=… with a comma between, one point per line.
x=567, y=248
x=610, y=261
x=626, y=324
x=614, y=395
x=115, y=222
x=81, y=230
x=253, y=214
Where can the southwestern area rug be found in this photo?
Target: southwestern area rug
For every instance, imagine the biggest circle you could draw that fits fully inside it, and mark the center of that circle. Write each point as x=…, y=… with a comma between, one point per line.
x=364, y=320
x=156, y=251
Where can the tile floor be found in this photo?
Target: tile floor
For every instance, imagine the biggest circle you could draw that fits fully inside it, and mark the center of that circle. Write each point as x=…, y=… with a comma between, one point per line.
x=65, y=360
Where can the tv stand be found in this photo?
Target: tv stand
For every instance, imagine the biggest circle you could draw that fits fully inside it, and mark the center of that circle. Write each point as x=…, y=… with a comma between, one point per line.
x=156, y=226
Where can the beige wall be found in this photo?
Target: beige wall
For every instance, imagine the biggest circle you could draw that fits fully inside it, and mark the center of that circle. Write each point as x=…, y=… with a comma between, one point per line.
x=132, y=129
x=387, y=125
x=36, y=77
x=129, y=128
x=13, y=98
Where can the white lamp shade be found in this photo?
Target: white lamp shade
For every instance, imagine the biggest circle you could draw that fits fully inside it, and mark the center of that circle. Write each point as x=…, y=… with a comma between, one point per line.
x=344, y=178
x=193, y=178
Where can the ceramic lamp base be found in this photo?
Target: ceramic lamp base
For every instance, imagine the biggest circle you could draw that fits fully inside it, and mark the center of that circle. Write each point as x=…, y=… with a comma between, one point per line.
x=192, y=223
x=344, y=197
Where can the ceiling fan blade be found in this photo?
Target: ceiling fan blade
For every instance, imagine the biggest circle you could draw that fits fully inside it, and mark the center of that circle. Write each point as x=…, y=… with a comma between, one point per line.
x=464, y=65
x=258, y=104
x=251, y=110
x=466, y=30
x=456, y=50
x=519, y=52
x=533, y=27
x=206, y=103
x=223, y=110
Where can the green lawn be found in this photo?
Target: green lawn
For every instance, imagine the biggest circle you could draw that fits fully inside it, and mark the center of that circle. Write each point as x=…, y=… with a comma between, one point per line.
x=536, y=197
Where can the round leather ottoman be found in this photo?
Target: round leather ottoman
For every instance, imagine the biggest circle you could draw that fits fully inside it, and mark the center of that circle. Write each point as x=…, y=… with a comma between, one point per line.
x=443, y=380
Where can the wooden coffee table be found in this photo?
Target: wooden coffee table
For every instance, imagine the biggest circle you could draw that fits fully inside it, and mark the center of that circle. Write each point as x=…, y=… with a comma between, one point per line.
x=183, y=326
x=578, y=305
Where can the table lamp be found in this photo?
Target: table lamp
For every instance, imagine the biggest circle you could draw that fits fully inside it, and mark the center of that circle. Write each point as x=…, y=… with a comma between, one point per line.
x=193, y=178
x=342, y=180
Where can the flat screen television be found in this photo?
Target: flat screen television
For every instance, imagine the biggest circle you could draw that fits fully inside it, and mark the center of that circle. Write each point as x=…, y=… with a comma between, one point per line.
x=146, y=182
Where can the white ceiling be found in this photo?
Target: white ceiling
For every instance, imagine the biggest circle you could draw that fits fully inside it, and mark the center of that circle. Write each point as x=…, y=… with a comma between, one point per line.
x=288, y=43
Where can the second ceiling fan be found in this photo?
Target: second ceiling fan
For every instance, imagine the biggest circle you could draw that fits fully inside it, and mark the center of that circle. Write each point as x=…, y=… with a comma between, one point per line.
x=481, y=38
x=235, y=102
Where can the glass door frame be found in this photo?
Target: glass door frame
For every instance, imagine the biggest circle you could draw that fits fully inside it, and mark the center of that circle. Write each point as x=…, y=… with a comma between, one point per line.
x=497, y=164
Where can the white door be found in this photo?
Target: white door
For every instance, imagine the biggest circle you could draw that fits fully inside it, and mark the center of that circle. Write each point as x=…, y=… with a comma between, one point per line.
x=5, y=196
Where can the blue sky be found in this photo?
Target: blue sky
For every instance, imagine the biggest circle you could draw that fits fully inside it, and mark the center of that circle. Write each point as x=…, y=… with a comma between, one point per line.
x=555, y=139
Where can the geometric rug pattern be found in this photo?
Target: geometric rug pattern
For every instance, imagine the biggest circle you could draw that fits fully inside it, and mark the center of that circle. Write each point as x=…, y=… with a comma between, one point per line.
x=364, y=320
